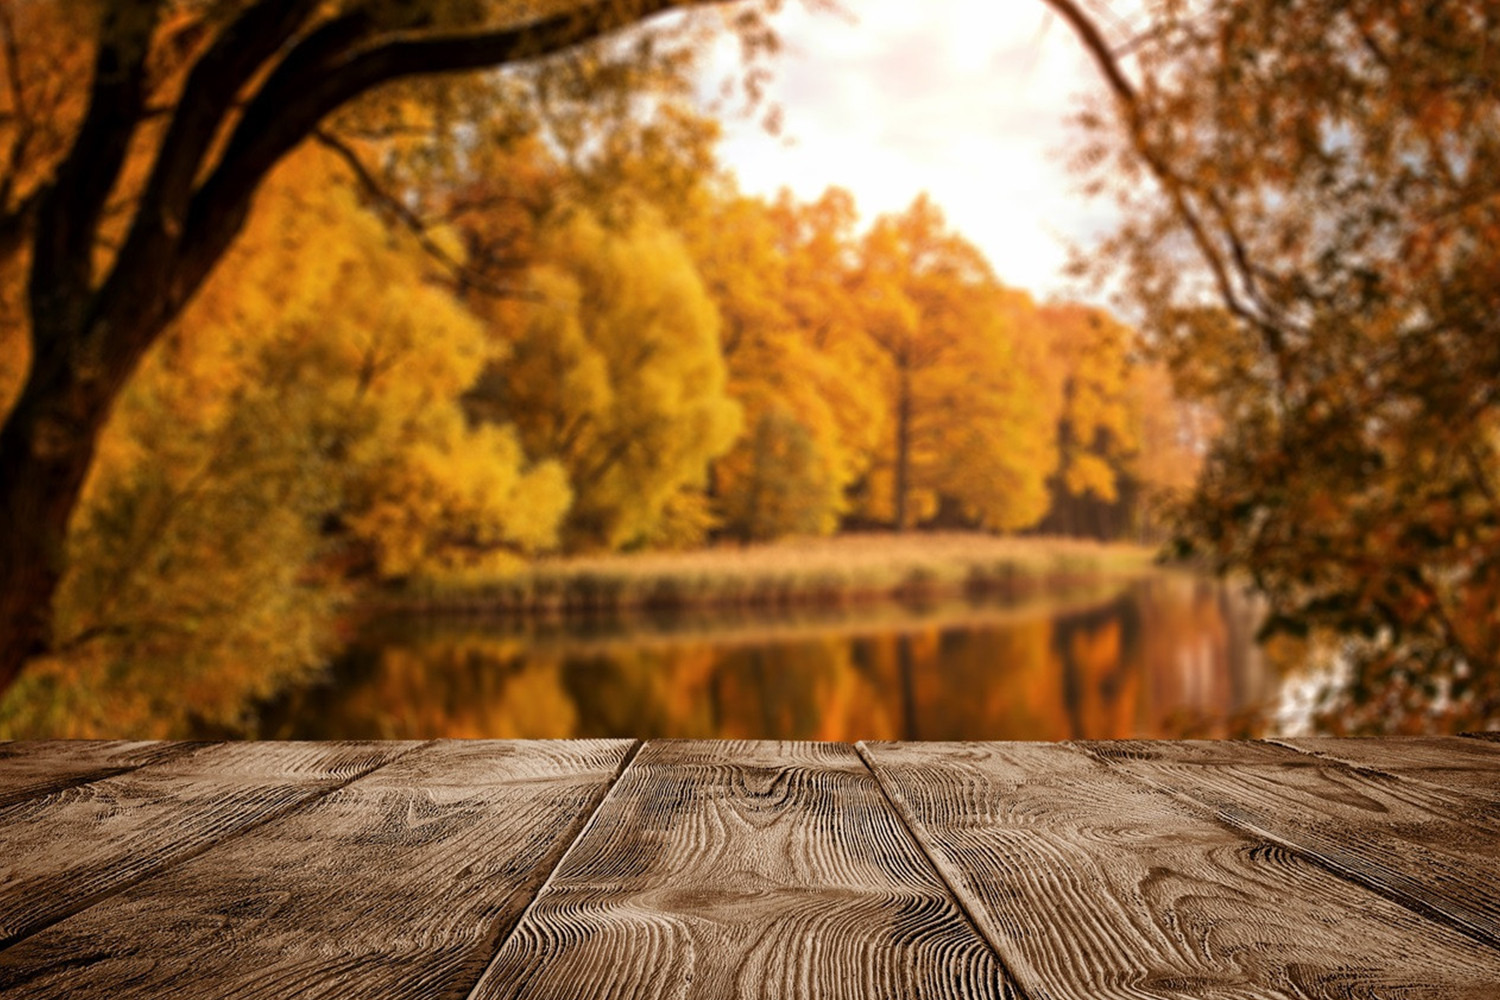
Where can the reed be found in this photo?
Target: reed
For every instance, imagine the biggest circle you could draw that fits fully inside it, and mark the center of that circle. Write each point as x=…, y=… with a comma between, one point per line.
x=838, y=571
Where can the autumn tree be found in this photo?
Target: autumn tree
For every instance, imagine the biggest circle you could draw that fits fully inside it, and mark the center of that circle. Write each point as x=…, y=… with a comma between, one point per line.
x=818, y=241
x=120, y=201
x=776, y=272
x=772, y=482
x=298, y=430
x=614, y=370
x=970, y=418
x=798, y=362
x=1128, y=444
x=1173, y=433
x=1312, y=206
x=1096, y=432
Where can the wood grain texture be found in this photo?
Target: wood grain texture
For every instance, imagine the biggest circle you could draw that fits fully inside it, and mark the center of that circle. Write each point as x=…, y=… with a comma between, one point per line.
x=399, y=885
x=69, y=849
x=1094, y=886
x=1492, y=736
x=1434, y=850
x=726, y=869
x=1469, y=766
x=29, y=768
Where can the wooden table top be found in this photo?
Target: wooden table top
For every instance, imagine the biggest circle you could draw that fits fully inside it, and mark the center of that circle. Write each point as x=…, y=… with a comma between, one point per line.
x=613, y=868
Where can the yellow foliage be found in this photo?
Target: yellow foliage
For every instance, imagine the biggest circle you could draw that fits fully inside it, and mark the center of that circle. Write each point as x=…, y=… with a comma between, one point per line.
x=788, y=472
x=969, y=432
x=1088, y=473
x=42, y=100
x=1174, y=434
x=392, y=354
x=300, y=420
x=616, y=373
x=1099, y=427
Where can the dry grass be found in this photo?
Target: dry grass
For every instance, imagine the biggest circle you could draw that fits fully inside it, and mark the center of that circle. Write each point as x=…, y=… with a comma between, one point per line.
x=831, y=571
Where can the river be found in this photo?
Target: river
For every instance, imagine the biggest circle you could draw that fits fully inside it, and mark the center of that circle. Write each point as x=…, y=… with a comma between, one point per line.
x=1167, y=655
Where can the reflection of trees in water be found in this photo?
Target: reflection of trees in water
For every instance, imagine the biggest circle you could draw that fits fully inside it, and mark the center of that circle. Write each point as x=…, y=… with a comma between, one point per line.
x=905, y=666
x=462, y=689
x=1098, y=657
x=1206, y=674
x=1169, y=655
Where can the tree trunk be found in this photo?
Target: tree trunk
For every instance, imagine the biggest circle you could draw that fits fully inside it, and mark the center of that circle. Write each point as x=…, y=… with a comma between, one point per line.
x=46, y=448
x=903, y=445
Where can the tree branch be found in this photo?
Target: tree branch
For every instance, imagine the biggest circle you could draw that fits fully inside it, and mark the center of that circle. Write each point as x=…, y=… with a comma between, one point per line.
x=17, y=223
x=325, y=71
x=162, y=241
x=69, y=210
x=471, y=278
x=272, y=125
x=217, y=78
x=1093, y=40
x=1128, y=100
x=25, y=123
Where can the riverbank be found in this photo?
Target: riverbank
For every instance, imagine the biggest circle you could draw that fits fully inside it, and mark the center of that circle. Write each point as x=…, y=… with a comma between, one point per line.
x=824, y=572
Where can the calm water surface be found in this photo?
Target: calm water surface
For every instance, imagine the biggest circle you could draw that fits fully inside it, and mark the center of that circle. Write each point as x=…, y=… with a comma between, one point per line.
x=1165, y=656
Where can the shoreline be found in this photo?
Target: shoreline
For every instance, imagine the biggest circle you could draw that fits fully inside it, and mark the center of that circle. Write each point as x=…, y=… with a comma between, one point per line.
x=845, y=571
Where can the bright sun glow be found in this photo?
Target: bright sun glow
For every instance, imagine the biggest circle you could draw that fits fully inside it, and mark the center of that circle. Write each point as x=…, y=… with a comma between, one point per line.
x=970, y=107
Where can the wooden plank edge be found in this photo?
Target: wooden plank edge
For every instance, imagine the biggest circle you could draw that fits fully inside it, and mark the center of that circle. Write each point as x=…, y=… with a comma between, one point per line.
x=1491, y=735
x=897, y=803
x=171, y=750
x=1374, y=770
x=1238, y=820
x=92, y=900
x=1363, y=769
x=500, y=934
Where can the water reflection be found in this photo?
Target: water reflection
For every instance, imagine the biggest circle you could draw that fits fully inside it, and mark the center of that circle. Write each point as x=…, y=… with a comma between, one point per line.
x=1168, y=655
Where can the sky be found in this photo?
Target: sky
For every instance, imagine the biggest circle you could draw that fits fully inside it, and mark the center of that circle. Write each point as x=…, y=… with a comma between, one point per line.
x=968, y=100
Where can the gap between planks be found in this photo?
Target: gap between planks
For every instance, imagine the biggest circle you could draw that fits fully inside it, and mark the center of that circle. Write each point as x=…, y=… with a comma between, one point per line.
x=915, y=835
x=1232, y=814
x=1447, y=765
x=919, y=837
x=1009, y=986
x=583, y=829
x=1100, y=886
x=124, y=885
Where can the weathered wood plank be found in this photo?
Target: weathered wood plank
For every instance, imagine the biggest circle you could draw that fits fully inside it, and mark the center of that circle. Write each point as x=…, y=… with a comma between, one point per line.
x=744, y=869
x=1468, y=766
x=69, y=849
x=1428, y=848
x=1094, y=886
x=29, y=768
x=398, y=885
x=1490, y=735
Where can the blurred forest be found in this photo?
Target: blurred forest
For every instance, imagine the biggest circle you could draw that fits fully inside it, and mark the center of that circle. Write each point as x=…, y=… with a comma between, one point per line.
x=473, y=318
x=1312, y=240
x=476, y=319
